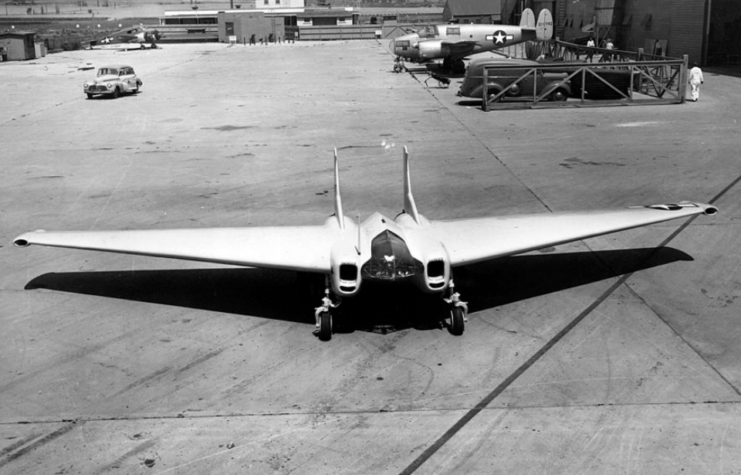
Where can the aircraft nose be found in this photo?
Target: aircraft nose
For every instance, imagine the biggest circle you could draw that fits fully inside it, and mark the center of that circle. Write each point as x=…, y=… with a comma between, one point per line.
x=392, y=45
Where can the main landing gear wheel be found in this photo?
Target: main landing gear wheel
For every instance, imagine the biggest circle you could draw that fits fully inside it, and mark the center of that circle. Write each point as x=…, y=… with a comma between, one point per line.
x=323, y=315
x=457, y=321
x=459, y=66
x=458, y=311
x=325, y=326
x=456, y=66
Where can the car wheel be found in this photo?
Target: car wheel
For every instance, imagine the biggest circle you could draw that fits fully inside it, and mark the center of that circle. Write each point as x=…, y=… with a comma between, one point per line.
x=492, y=95
x=559, y=95
x=116, y=93
x=89, y=96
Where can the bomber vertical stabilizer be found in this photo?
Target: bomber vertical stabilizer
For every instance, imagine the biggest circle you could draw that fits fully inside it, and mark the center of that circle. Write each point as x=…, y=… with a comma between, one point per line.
x=544, y=27
x=410, y=207
x=527, y=20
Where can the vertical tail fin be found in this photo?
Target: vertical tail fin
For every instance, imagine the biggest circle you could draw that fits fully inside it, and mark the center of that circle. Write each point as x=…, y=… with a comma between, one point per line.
x=337, y=198
x=544, y=26
x=527, y=20
x=410, y=207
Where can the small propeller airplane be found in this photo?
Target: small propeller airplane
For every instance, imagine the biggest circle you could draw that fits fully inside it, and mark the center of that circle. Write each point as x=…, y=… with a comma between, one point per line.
x=130, y=38
x=409, y=248
x=453, y=42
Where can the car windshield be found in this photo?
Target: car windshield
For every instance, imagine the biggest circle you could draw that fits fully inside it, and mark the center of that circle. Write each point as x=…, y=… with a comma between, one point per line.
x=106, y=71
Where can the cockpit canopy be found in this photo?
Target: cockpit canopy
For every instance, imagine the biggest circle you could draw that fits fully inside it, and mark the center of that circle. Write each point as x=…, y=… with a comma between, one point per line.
x=390, y=259
x=429, y=31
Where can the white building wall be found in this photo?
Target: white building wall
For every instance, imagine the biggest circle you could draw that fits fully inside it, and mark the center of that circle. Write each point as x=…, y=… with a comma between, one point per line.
x=260, y=4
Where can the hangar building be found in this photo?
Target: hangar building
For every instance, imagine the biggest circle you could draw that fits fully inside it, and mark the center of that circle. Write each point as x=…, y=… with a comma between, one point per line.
x=706, y=30
x=473, y=11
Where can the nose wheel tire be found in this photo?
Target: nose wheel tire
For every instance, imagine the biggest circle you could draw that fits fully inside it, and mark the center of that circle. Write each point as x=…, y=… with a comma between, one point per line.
x=325, y=326
x=457, y=321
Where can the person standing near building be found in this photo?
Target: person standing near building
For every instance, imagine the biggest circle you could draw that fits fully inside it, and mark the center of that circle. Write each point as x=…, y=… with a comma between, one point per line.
x=607, y=55
x=590, y=44
x=695, y=80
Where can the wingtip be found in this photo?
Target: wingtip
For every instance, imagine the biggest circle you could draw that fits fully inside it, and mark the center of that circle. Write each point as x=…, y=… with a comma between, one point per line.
x=24, y=239
x=710, y=210
x=707, y=209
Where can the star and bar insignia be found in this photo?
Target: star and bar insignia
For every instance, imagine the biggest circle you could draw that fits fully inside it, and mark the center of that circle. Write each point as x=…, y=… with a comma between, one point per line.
x=499, y=37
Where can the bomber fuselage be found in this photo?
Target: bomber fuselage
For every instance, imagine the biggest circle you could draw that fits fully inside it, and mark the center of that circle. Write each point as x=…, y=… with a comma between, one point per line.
x=457, y=41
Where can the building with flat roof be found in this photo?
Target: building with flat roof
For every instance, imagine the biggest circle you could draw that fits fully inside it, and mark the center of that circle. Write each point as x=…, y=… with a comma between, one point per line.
x=473, y=11
x=17, y=46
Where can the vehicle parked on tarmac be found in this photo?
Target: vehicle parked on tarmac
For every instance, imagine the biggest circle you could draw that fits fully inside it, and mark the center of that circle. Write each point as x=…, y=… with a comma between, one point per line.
x=113, y=80
x=548, y=85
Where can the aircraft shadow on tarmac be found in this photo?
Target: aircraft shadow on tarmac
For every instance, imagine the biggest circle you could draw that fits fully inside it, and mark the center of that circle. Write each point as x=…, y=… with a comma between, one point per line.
x=283, y=295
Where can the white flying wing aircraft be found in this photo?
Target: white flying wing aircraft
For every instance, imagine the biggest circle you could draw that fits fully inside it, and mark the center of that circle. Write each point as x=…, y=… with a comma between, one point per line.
x=408, y=248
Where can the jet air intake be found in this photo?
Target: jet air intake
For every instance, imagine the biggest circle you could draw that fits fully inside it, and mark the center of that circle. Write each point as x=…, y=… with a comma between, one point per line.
x=344, y=277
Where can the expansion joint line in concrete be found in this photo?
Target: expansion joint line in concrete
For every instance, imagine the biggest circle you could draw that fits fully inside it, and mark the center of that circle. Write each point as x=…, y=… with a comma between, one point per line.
x=450, y=433
x=661, y=317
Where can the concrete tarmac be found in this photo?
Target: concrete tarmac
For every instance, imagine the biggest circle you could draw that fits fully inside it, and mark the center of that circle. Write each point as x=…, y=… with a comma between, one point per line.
x=614, y=355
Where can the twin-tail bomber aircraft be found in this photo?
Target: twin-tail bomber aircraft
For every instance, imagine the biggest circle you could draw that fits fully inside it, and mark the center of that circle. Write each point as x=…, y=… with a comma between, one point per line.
x=453, y=42
x=130, y=38
x=409, y=248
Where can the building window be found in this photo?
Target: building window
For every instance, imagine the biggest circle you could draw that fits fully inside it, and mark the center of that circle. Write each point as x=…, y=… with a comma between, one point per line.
x=265, y=2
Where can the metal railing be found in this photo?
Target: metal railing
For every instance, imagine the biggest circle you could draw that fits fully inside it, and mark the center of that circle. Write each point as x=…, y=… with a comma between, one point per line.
x=595, y=84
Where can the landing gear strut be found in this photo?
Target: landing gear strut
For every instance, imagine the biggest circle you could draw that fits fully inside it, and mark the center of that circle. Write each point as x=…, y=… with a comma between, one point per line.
x=323, y=315
x=455, y=66
x=398, y=65
x=458, y=311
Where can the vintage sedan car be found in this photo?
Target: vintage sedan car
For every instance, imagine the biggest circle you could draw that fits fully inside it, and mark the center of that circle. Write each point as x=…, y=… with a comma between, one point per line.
x=549, y=85
x=113, y=81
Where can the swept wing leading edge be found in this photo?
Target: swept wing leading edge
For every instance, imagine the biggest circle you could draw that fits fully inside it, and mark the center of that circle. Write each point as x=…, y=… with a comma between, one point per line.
x=474, y=240
x=300, y=248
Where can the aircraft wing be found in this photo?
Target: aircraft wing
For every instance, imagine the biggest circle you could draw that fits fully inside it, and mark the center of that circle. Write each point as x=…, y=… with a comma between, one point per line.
x=299, y=248
x=474, y=240
x=459, y=48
